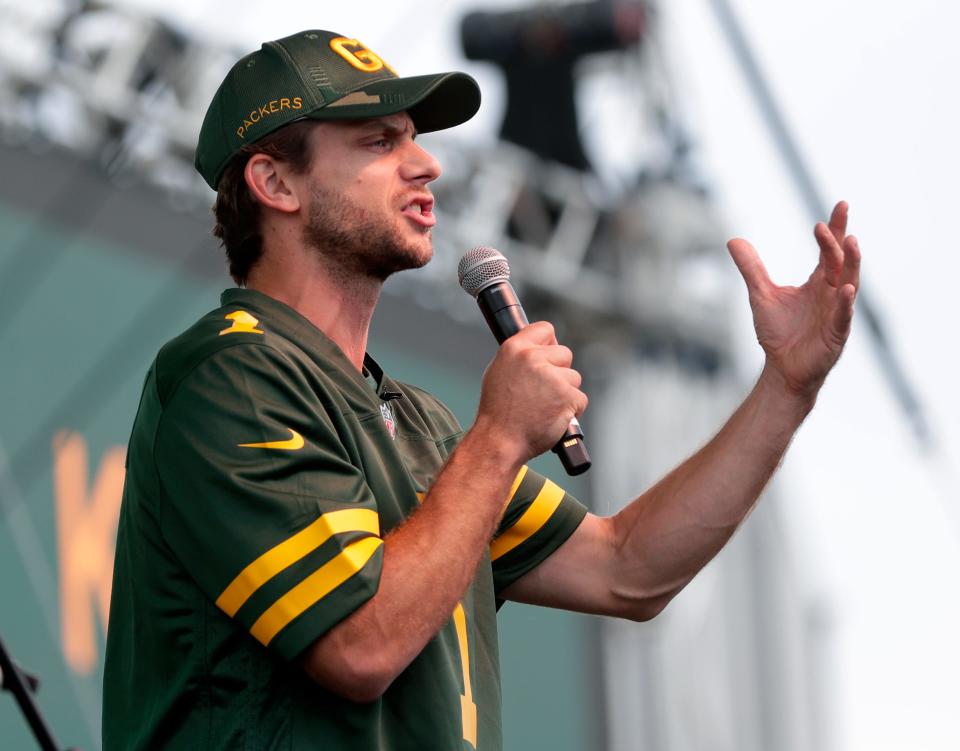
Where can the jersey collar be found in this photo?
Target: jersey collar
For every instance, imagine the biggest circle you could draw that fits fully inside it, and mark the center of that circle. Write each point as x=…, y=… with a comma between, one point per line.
x=287, y=322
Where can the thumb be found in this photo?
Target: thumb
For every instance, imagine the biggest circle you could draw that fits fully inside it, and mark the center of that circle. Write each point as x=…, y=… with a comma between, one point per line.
x=748, y=262
x=539, y=332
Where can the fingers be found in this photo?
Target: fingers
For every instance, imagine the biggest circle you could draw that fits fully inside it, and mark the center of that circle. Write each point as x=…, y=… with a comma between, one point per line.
x=851, y=262
x=571, y=376
x=843, y=315
x=539, y=340
x=831, y=256
x=539, y=332
x=531, y=385
x=838, y=221
x=580, y=404
x=751, y=268
x=558, y=355
x=840, y=260
x=537, y=343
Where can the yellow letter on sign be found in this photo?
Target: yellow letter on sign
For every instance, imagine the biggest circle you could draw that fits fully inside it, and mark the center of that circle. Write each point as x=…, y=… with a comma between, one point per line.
x=86, y=527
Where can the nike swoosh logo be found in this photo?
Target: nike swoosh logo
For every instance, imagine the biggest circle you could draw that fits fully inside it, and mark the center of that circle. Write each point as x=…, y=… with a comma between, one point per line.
x=295, y=442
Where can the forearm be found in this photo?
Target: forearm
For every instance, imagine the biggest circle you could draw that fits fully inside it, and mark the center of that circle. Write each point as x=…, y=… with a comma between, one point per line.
x=428, y=563
x=630, y=565
x=430, y=560
x=669, y=533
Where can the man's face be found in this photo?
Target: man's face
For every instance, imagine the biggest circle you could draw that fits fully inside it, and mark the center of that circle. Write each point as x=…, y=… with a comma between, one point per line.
x=370, y=212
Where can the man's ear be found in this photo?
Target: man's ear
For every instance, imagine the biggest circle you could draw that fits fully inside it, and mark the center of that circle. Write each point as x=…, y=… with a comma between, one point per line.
x=272, y=184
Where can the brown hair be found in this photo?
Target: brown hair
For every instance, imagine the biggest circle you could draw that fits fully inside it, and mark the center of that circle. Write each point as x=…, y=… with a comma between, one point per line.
x=237, y=212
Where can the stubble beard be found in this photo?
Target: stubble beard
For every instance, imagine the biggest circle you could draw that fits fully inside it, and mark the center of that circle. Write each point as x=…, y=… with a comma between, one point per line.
x=356, y=245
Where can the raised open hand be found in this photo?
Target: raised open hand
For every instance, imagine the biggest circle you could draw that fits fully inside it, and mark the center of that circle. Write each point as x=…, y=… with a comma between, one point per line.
x=803, y=329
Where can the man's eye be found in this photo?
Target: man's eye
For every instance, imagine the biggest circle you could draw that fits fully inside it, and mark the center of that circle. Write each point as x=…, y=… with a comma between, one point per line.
x=381, y=143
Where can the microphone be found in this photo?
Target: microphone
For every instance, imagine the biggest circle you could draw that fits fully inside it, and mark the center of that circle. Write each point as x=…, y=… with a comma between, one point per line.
x=485, y=274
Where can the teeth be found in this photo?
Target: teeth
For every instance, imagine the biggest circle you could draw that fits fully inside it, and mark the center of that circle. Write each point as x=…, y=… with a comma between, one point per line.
x=418, y=207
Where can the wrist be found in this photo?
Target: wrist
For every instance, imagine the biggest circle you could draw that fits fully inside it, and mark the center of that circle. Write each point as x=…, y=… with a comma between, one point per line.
x=493, y=447
x=797, y=397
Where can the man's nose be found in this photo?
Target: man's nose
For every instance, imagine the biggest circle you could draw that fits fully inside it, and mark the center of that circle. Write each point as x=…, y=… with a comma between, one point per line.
x=419, y=164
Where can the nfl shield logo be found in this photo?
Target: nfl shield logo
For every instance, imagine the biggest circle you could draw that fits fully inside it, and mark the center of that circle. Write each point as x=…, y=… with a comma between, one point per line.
x=387, y=415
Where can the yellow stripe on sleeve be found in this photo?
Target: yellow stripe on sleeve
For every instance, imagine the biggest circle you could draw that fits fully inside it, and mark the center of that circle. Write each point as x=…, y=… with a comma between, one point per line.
x=314, y=588
x=516, y=484
x=421, y=496
x=536, y=515
x=292, y=550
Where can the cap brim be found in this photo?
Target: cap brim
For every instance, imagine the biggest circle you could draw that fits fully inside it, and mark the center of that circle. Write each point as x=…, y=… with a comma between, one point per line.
x=434, y=102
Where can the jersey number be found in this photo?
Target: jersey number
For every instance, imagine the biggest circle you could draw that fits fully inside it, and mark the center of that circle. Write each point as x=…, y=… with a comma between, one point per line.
x=468, y=709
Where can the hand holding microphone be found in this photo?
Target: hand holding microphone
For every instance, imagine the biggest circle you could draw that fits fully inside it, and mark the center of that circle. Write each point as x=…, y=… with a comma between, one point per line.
x=532, y=372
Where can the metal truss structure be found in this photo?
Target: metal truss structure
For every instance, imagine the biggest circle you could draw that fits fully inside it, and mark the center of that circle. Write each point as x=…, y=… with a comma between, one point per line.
x=130, y=91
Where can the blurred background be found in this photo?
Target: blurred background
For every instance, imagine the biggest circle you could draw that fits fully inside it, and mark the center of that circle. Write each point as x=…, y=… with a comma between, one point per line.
x=619, y=145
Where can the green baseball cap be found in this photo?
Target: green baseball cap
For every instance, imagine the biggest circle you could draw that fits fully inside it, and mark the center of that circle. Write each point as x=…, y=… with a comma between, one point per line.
x=323, y=76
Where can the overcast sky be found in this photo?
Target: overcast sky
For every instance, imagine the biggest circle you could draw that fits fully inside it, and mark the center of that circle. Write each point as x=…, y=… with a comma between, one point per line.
x=870, y=91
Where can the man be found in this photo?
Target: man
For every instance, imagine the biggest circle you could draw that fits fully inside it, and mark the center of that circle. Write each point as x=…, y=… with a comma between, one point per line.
x=310, y=554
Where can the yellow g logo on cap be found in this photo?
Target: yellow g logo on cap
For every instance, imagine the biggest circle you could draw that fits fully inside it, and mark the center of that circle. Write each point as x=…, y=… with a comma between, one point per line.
x=357, y=55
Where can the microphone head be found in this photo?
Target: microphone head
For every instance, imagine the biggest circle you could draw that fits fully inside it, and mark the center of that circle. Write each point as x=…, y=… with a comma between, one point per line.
x=480, y=267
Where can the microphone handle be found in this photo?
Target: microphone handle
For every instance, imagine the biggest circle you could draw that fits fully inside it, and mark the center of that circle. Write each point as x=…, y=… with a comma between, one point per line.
x=505, y=317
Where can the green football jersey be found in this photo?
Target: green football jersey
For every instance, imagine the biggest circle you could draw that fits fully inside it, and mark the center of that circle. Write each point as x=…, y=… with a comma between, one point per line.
x=262, y=474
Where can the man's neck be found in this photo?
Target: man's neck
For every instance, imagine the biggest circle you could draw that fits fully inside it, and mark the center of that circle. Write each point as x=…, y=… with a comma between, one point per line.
x=340, y=308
